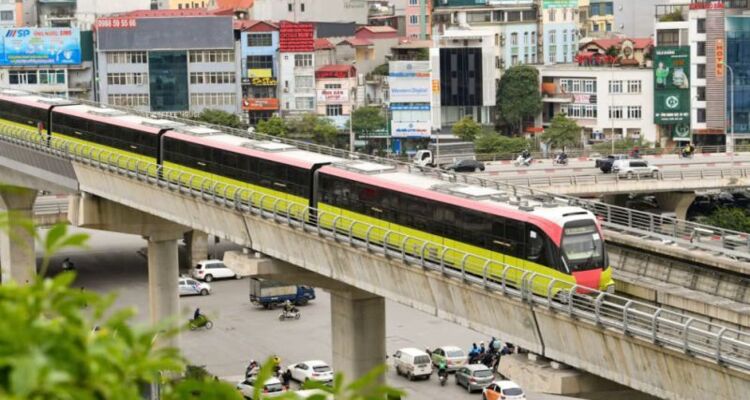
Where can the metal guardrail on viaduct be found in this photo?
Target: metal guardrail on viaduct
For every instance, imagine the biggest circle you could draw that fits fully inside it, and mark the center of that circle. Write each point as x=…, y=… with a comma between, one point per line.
x=650, y=325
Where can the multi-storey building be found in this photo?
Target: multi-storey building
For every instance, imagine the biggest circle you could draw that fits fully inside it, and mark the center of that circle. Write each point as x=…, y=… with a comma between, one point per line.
x=336, y=89
x=418, y=18
x=87, y=11
x=297, y=67
x=259, y=43
x=310, y=10
x=559, y=37
x=9, y=13
x=155, y=61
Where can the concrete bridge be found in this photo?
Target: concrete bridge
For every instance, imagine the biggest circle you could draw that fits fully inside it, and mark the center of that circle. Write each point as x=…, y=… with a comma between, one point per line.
x=645, y=347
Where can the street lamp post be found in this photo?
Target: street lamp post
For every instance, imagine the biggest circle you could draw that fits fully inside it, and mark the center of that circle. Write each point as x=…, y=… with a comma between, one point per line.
x=730, y=145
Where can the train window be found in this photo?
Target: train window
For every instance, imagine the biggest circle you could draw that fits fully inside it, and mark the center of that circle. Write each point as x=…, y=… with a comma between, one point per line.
x=536, y=247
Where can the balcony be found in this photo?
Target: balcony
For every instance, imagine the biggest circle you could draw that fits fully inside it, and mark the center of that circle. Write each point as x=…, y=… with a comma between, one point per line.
x=552, y=94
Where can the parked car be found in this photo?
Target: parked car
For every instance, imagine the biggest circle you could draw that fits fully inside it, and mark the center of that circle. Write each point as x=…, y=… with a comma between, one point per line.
x=453, y=356
x=633, y=168
x=314, y=370
x=474, y=377
x=190, y=287
x=271, y=388
x=503, y=390
x=412, y=363
x=208, y=270
x=605, y=164
x=466, y=166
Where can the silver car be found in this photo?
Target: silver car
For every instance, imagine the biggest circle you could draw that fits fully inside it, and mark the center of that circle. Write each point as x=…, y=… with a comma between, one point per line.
x=474, y=377
x=634, y=168
x=189, y=286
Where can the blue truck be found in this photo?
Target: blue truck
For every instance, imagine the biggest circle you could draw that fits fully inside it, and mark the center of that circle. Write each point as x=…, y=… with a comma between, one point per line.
x=269, y=293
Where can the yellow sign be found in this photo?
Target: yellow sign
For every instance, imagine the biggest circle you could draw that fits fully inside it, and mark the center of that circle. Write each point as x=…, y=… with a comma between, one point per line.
x=260, y=73
x=719, y=58
x=264, y=81
x=435, y=85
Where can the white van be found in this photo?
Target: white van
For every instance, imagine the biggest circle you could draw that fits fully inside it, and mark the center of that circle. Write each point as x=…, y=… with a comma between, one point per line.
x=412, y=363
x=208, y=270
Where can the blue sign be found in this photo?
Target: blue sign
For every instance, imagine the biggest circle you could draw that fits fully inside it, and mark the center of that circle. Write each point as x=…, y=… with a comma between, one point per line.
x=40, y=46
x=410, y=107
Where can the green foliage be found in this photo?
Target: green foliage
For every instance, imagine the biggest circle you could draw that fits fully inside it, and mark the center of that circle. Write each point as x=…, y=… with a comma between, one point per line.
x=612, y=51
x=423, y=55
x=674, y=16
x=274, y=126
x=218, y=117
x=382, y=69
x=562, y=132
x=314, y=128
x=736, y=219
x=467, y=129
x=518, y=97
x=621, y=146
x=368, y=119
x=493, y=143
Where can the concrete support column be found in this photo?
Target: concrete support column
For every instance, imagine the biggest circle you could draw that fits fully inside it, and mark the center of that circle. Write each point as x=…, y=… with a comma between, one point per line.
x=358, y=331
x=676, y=202
x=163, y=271
x=619, y=200
x=17, y=256
x=197, y=247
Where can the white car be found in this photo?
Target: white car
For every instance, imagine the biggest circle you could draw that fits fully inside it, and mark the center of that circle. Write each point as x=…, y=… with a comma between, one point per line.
x=190, y=287
x=271, y=388
x=503, y=390
x=315, y=370
x=208, y=270
x=633, y=168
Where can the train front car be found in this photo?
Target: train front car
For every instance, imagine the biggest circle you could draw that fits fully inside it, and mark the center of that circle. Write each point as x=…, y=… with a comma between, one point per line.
x=583, y=253
x=27, y=112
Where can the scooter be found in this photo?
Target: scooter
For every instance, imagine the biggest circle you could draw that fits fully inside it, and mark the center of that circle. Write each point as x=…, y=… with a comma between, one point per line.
x=560, y=161
x=523, y=162
x=294, y=314
x=442, y=378
x=200, y=322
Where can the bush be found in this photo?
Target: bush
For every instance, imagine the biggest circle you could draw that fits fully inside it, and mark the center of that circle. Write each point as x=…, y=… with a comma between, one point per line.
x=736, y=219
x=466, y=129
x=494, y=143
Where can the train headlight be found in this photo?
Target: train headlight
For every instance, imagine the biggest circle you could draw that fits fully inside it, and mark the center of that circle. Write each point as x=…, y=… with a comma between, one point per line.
x=610, y=289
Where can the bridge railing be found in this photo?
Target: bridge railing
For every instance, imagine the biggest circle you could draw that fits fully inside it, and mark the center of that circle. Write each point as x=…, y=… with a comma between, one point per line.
x=666, y=328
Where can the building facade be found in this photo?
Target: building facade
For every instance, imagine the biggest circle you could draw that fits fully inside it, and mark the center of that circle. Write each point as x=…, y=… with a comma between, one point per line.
x=259, y=45
x=154, y=61
x=559, y=31
x=297, y=68
x=310, y=10
x=9, y=13
x=418, y=17
x=336, y=90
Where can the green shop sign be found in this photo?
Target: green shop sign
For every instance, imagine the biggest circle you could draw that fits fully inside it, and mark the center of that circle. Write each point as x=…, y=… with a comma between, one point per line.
x=672, y=85
x=559, y=4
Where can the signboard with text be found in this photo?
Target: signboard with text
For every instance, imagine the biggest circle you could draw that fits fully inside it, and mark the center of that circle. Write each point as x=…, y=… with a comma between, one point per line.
x=40, y=46
x=672, y=85
x=410, y=129
x=263, y=104
x=296, y=38
x=333, y=95
x=263, y=81
x=719, y=55
x=559, y=4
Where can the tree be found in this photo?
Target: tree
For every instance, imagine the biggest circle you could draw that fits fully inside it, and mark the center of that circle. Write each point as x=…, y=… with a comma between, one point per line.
x=621, y=145
x=466, y=129
x=612, y=51
x=493, y=143
x=312, y=127
x=562, y=132
x=518, y=97
x=218, y=117
x=325, y=132
x=736, y=219
x=367, y=120
x=274, y=126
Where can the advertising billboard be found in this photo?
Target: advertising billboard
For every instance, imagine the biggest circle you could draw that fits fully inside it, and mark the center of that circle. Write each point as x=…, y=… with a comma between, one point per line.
x=40, y=46
x=672, y=85
x=559, y=4
x=296, y=38
x=410, y=90
x=333, y=95
x=410, y=129
x=261, y=104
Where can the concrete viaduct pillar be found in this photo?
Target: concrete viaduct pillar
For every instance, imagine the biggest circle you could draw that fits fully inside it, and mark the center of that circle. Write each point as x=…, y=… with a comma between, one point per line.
x=163, y=271
x=196, y=243
x=676, y=202
x=357, y=317
x=17, y=256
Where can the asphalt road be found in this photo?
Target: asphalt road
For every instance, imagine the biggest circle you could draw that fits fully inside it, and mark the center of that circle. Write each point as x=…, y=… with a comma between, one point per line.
x=116, y=263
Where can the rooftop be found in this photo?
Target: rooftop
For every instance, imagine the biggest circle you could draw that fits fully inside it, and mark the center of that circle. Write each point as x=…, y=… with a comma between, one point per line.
x=234, y=4
x=187, y=12
x=413, y=44
x=337, y=68
x=323, y=44
x=638, y=43
x=356, y=42
x=378, y=29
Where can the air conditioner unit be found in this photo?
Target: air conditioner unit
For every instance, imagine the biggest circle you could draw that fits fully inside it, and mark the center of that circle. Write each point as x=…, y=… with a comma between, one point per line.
x=286, y=90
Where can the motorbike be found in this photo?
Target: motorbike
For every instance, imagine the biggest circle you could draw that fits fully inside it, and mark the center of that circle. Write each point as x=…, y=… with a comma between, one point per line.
x=200, y=322
x=443, y=378
x=560, y=161
x=293, y=314
x=523, y=162
x=685, y=154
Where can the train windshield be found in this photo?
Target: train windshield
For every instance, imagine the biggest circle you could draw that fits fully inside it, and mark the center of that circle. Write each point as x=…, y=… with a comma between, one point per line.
x=582, y=246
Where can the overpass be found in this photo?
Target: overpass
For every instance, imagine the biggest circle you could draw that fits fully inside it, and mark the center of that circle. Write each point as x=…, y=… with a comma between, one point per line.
x=648, y=348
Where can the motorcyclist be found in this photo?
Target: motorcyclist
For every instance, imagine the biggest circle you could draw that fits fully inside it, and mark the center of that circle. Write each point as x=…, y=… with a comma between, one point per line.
x=277, y=365
x=562, y=157
x=526, y=154
x=252, y=369
x=197, y=314
x=473, y=352
x=688, y=150
x=636, y=153
x=442, y=369
x=288, y=307
x=67, y=265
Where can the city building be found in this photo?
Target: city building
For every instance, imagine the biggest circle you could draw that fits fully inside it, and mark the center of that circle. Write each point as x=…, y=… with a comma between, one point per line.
x=153, y=60
x=10, y=13
x=633, y=52
x=368, y=48
x=259, y=43
x=559, y=31
x=87, y=11
x=389, y=13
x=602, y=99
x=336, y=89
x=297, y=68
x=310, y=10
x=418, y=17
x=411, y=104
x=601, y=18
x=616, y=18
x=55, y=13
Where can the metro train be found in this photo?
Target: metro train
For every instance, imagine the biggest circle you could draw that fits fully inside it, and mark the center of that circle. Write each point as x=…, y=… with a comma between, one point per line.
x=563, y=242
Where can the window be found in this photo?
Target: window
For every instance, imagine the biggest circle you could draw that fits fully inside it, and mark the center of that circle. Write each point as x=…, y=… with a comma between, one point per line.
x=514, y=16
x=414, y=19
x=290, y=7
x=701, y=49
x=303, y=83
x=212, y=99
x=22, y=77
x=212, y=56
x=634, y=86
x=526, y=38
x=701, y=71
x=6, y=15
x=552, y=54
x=479, y=16
x=586, y=111
x=565, y=36
x=127, y=78
x=552, y=37
x=259, y=62
x=668, y=37
x=615, y=86
x=334, y=110
x=701, y=115
x=701, y=25
x=608, y=27
x=414, y=2
x=213, y=78
x=259, y=40
x=498, y=16
x=332, y=86
x=128, y=100
x=304, y=103
x=514, y=60
x=634, y=112
x=615, y=112
x=701, y=93
x=552, y=13
x=303, y=60
x=533, y=38
x=514, y=39
x=302, y=7
x=126, y=57
x=529, y=15
x=51, y=77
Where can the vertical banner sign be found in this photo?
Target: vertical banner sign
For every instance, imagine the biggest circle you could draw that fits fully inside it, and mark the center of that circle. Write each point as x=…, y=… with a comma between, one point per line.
x=296, y=38
x=672, y=85
x=719, y=58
